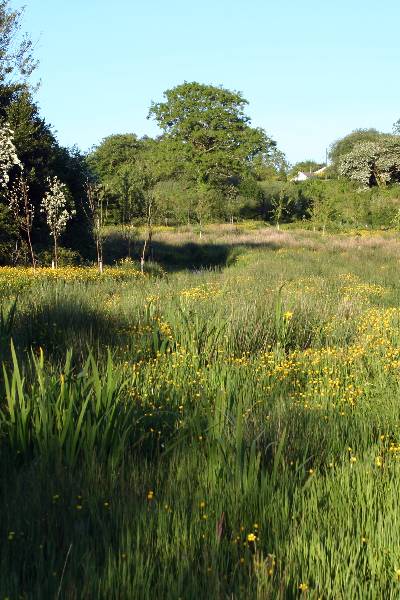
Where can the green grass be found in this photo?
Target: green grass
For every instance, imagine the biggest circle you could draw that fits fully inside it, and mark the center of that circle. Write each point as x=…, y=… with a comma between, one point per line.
x=149, y=426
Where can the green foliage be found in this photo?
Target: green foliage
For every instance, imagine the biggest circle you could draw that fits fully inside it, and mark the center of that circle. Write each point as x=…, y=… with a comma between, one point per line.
x=346, y=144
x=270, y=166
x=36, y=145
x=114, y=163
x=373, y=163
x=209, y=132
x=202, y=167
x=8, y=235
x=282, y=199
x=62, y=417
x=16, y=58
x=42, y=157
x=240, y=442
x=330, y=204
x=66, y=256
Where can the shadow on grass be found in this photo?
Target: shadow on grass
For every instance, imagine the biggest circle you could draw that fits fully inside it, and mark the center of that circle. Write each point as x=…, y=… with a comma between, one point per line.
x=189, y=255
x=57, y=326
x=70, y=323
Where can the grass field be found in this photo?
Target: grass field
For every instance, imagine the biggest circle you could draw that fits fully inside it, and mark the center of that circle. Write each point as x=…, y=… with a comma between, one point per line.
x=230, y=432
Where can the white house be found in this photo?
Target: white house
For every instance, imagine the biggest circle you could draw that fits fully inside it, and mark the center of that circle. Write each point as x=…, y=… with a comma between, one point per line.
x=302, y=176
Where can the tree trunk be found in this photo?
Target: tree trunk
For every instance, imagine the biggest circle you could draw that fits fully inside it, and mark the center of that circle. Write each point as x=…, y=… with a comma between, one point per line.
x=28, y=233
x=147, y=242
x=55, y=254
x=142, y=259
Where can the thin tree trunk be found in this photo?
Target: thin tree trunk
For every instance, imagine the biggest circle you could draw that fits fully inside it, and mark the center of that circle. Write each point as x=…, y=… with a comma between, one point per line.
x=55, y=253
x=28, y=233
x=147, y=242
x=142, y=259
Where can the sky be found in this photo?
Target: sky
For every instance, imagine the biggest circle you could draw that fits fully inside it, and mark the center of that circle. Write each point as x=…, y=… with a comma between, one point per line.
x=311, y=71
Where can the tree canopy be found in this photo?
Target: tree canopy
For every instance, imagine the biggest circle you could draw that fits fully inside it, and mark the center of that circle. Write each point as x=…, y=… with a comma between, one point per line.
x=209, y=132
x=16, y=57
x=40, y=155
x=346, y=144
x=373, y=163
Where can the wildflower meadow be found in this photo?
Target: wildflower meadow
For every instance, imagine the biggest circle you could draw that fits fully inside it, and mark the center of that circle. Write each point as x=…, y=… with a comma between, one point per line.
x=209, y=432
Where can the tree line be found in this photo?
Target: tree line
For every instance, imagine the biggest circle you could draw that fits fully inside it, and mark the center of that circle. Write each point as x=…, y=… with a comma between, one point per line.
x=208, y=163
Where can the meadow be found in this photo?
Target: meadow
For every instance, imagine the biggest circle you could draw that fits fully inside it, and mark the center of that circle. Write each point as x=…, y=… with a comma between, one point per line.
x=225, y=425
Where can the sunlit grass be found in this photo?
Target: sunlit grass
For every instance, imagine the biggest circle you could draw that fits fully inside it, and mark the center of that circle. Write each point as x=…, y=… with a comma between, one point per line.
x=212, y=434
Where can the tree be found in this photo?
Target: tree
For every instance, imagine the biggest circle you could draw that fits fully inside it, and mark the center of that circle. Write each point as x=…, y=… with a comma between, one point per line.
x=151, y=169
x=95, y=216
x=54, y=206
x=36, y=146
x=16, y=58
x=23, y=211
x=42, y=157
x=396, y=127
x=209, y=134
x=114, y=164
x=280, y=205
x=9, y=225
x=322, y=205
x=8, y=155
x=346, y=144
x=271, y=165
x=114, y=152
x=373, y=163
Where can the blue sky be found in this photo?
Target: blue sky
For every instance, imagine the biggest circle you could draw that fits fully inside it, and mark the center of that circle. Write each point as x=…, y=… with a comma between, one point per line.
x=311, y=71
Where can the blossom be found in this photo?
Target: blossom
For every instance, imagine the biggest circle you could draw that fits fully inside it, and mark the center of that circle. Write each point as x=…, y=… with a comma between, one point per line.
x=303, y=587
x=8, y=154
x=54, y=206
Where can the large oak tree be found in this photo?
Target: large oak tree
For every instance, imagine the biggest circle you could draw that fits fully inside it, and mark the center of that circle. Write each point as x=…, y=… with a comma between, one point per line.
x=209, y=133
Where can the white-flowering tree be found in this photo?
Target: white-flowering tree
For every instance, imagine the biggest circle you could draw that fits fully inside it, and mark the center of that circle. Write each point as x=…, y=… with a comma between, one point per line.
x=373, y=163
x=8, y=155
x=23, y=211
x=55, y=207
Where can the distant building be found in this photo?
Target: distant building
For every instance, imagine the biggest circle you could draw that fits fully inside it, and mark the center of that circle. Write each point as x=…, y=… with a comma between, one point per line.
x=302, y=176
x=320, y=171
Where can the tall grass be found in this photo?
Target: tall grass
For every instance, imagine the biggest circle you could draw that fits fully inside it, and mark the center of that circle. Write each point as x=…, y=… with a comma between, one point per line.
x=212, y=434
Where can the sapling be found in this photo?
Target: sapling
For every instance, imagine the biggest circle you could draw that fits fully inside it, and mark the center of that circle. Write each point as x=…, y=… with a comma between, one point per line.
x=8, y=160
x=96, y=218
x=54, y=206
x=280, y=205
x=149, y=224
x=23, y=210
